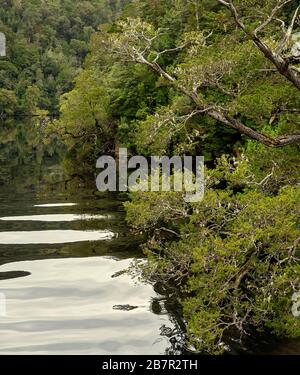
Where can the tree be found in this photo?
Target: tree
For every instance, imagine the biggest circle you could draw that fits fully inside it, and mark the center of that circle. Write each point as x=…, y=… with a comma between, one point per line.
x=137, y=41
x=86, y=123
x=8, y=102
x=49, y=38
x=283, y=62
x=234, y=256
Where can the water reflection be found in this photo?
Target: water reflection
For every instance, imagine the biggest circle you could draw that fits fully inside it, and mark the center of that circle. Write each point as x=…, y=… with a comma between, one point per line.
x=56, y=205
x=57, y=217
x=67, y=306
x=53, y=236
x=13, y=275
x=63, y=251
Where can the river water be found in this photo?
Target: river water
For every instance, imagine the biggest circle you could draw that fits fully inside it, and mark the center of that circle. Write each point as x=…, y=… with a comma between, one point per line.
x=63, y=251
x=64, y=248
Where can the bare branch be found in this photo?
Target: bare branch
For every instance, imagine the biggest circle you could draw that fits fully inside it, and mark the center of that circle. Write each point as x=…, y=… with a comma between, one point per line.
x=282, y=23
x=169, y=231
x=288, y=33
x=176, y=49
x=281, y=63
x=265, y=179
x=297, y=70
x=128, y=49
x=234, y=12
x=281, y=141
x=272, y=15
x=221, y=116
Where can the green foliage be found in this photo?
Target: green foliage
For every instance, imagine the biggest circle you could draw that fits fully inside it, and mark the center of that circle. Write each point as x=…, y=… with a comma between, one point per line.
x=46, y=45
x=236, y=253
x=8, y=101
x=86, y=123
x=24, y=149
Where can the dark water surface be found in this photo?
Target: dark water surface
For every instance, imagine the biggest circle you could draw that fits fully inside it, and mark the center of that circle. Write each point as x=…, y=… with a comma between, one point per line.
x=63, y=251
x=63, y=247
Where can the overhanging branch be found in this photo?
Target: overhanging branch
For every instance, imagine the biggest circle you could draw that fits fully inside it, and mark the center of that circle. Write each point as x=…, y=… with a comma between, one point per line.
x=220, y=115
x=282, y=64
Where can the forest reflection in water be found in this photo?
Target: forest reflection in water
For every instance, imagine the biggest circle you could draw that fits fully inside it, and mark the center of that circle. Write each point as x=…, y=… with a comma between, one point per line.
x=63, y=251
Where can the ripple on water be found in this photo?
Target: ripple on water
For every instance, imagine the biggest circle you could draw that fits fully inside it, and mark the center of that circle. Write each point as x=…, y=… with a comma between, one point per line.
x=56, y=205
x=56, y=217
x=67, y=306
x=53, y=236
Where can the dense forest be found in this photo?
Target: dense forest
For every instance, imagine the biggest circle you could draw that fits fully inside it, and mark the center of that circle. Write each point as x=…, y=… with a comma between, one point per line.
x=46, y=44
x=217, y=78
